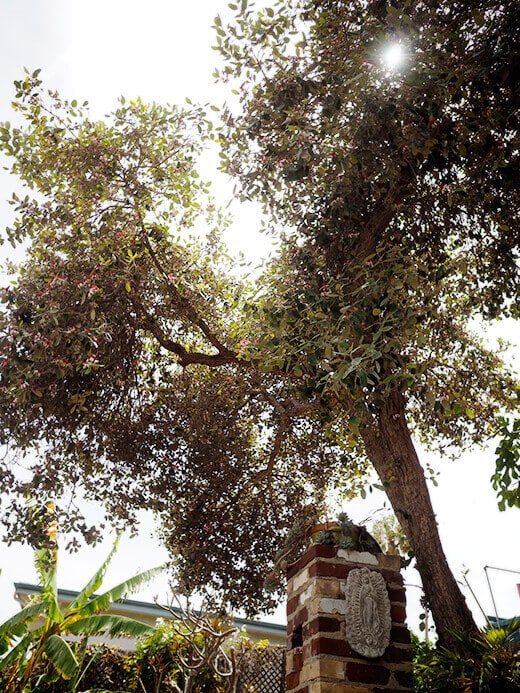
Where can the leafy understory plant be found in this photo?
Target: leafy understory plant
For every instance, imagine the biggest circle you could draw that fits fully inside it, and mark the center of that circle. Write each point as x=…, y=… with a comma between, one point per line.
x=193, y=651
x=25, y=641
x=484, y=663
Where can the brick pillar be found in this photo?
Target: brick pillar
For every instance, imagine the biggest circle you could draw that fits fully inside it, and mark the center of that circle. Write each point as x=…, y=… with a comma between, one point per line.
x=319, y=656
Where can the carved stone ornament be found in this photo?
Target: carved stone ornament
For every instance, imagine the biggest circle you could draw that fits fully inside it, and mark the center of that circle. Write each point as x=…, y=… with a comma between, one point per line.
x=368, y=617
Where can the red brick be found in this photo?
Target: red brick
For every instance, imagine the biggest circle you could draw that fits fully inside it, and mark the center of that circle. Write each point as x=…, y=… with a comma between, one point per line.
x=330, y=646
x=300, y=617
x=392, y=577
x=292, y=680
x=322, y=569
x=324, y=624
x=367, y=673
x=398, y=654
x=398, y=613
x=397, y=594
x=292, y=605
x=404, y=678
x=314, y=551
x=400, y=634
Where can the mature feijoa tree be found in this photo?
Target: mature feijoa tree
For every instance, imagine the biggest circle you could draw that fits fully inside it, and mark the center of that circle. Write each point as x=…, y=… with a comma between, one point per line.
x=397, y=185
x=147, y=375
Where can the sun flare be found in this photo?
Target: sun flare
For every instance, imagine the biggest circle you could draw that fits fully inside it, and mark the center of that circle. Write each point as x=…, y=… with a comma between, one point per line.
x=393, y=56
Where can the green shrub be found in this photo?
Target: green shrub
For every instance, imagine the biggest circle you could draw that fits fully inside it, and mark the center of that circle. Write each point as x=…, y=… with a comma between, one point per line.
x=37, y=638
x=486, y=663
x=166, y=657
x=108, y=668
x=103, y=667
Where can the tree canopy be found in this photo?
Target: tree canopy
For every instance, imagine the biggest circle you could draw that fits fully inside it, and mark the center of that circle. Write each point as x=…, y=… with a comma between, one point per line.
x=123, y=349
x=398, y=190
x=149, y=375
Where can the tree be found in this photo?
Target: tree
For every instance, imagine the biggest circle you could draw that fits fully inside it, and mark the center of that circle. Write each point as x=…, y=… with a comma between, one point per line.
x=143, y=369
x=401, y=190
x=25, y=643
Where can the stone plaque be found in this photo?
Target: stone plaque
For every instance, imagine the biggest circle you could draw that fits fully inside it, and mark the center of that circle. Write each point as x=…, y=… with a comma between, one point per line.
x=368, y=617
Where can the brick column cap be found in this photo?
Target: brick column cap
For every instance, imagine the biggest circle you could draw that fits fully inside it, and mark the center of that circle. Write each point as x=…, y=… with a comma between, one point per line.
x=325, y=551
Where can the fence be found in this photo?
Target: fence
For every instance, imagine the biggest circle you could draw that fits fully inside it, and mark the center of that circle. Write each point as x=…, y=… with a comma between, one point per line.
x=263, y=671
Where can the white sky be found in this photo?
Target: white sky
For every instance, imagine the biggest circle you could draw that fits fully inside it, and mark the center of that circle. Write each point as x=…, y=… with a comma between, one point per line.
x=161, y=50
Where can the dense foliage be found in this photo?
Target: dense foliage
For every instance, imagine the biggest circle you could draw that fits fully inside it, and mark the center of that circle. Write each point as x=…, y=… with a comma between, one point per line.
x=162, y=661
x=145, y=373
x=484, y=663
x=103, y=668
x=101, y=332
x=401, y=185
x=197, y=653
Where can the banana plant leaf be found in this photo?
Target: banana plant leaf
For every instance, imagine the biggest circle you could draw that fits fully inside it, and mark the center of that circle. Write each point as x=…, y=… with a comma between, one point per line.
x=17, y=651
x=103, y=601
x=95, y=581
x=18, y=624
x=61, y=655
x=110, y=624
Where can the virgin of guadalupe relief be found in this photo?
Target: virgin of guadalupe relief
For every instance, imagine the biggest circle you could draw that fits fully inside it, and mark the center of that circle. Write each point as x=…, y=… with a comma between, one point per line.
x=368, y=620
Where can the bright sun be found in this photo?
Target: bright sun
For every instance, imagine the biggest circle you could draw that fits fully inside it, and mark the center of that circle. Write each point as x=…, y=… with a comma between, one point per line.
x=393, y=56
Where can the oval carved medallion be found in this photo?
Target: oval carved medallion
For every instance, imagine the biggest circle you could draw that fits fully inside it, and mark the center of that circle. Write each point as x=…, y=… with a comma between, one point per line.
x=368, y=617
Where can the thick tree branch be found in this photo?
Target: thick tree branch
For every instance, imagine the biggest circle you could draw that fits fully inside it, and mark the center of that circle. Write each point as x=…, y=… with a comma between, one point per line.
x=183, y=303
x=289, y=408
x=184, y=356
x=275, y=451
x=383, y=213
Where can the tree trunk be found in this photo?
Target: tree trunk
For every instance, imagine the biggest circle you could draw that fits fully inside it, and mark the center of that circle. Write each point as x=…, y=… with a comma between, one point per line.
x=390, y=449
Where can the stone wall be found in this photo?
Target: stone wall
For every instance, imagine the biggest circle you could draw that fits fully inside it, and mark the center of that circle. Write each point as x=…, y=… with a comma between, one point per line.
x=319, y=657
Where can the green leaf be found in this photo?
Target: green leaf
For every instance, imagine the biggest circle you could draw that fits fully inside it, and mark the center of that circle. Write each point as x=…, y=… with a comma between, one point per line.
x=17, y=651
x=61, y=655
x=103, y=601
x=19, y=623
x=110, y=624
x=94, y=583
x=350, y=367
x=353, y=425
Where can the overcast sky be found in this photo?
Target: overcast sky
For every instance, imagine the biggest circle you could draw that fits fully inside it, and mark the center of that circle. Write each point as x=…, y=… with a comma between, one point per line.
x=161, y=50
